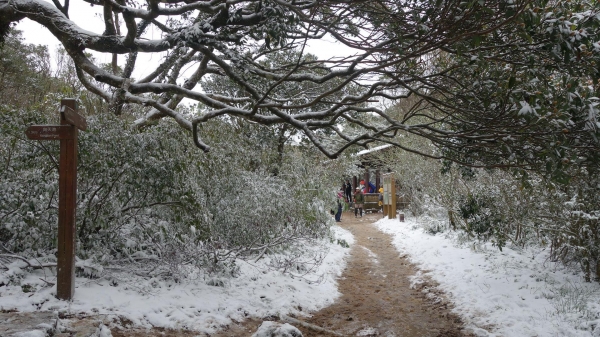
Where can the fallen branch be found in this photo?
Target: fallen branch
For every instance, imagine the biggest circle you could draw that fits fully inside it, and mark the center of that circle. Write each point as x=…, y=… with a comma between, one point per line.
x=29, y=264
x=261, y=254
x=50, y=284
x=313, y=327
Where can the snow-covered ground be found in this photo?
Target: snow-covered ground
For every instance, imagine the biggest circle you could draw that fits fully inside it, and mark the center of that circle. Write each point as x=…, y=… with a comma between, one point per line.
x=508, y=293
x=203, y=304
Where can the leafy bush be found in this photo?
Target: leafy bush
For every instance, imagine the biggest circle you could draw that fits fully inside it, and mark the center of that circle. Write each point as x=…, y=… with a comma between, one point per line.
x=482, y=218
x=576, y=225
x=151, y=199
x=506, y=207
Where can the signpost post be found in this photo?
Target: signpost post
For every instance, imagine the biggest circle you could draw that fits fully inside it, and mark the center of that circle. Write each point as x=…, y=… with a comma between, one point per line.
x=389, y=196
x=66, y=132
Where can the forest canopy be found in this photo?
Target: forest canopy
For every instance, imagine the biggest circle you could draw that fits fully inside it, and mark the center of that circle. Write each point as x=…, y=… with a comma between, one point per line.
x=509, y=83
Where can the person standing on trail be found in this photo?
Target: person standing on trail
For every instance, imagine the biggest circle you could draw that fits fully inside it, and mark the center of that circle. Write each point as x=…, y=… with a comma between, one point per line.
x=338, y=215
x=359, y=198
x=348, y=191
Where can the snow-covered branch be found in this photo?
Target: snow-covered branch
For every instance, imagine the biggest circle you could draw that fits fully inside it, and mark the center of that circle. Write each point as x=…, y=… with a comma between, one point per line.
x=471, y=73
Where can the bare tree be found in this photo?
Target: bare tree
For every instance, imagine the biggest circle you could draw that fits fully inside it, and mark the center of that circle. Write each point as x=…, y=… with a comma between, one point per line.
x=493, y=82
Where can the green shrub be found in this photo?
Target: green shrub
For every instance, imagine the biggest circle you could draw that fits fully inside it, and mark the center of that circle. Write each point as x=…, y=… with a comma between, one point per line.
x=150, y=196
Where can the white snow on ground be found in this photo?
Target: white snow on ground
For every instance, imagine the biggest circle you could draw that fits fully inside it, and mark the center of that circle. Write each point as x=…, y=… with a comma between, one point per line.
x=368, y=331
x=272, y=329
x=508, y=293
x=32, y=333
x=191, y=304
x=372, y=255
x=102, y=331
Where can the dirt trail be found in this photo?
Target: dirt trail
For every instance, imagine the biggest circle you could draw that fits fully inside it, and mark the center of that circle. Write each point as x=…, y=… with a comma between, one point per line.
x=376, y=296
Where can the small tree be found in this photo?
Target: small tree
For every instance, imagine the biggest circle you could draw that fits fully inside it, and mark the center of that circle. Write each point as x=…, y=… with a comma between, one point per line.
x=25, y=72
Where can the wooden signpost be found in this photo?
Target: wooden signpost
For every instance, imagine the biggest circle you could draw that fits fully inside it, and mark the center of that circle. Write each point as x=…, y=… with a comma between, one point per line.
x=49, y=132
x=66, y=132
x=389, y=196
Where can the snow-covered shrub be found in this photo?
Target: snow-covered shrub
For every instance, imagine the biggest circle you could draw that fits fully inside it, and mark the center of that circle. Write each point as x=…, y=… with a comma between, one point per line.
x=151, y=199
x=505, y=207
x=433, y=226
x=28, y=184
x=482, y=218
x=575, y=220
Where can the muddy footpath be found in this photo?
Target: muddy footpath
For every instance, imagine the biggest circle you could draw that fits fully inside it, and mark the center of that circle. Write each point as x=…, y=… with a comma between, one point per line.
x=377, y=299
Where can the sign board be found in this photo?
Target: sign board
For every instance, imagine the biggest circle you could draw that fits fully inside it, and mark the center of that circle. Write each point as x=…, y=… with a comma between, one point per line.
x=71, y=117
x=387, y=190
x=50, y=132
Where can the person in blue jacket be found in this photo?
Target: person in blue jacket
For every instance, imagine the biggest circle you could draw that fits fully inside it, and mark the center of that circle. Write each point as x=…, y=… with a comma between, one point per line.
x=371, y=187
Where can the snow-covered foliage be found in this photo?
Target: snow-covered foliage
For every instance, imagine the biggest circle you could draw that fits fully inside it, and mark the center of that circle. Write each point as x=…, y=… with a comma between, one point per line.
x=146, y=199
x=204, y=302
x=492, y=82
x=505, y=208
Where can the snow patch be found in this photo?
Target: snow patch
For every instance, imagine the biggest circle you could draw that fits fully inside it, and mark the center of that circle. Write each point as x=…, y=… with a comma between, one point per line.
x=274, y=329
x=368, y=331
x=32, y=333
x=510, y=293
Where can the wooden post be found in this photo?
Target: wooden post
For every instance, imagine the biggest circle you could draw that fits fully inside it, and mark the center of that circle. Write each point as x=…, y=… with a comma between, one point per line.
x=66, y=132
x=386, y=202
x=389, y=196
x=67, y=198
x=392, y=210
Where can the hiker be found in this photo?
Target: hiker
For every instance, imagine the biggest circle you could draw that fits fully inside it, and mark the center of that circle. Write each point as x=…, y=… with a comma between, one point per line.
x=338, y=215
x=359, y=198
x=370, y=187
x=348, y=192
